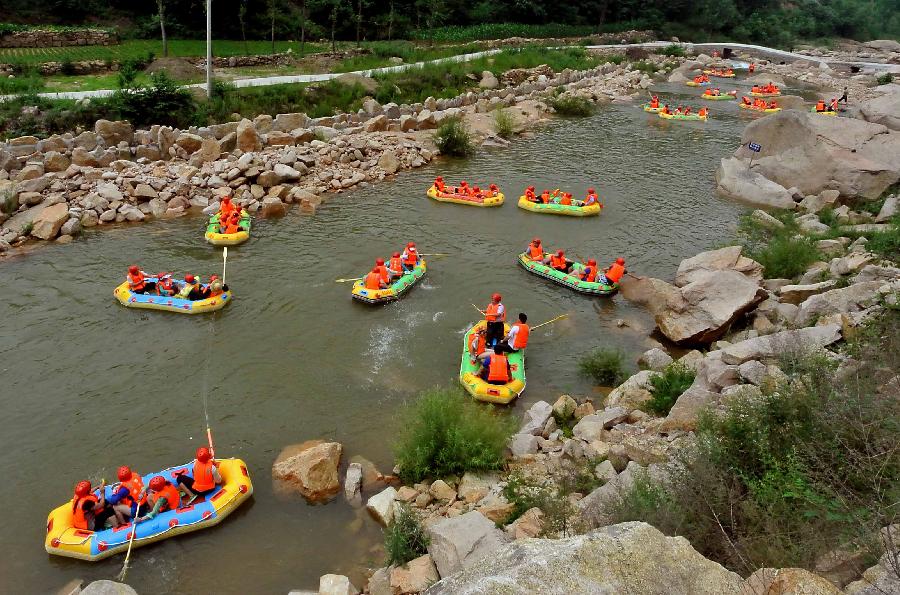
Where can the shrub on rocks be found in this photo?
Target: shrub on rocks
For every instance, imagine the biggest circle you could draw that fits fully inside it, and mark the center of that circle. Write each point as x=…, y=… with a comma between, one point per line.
x=782, y=253
x=504, y=123
x=453, y=138
x=665, y=388
x=572, y=105
x=444, y=433
x=604, y=366
x=405, y=539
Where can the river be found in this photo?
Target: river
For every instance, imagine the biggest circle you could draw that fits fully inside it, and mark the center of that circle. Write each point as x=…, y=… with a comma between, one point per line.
x=88, y=385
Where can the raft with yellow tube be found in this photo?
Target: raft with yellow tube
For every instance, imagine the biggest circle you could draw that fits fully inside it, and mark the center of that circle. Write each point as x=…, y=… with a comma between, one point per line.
x=572, y=282
x=464, y=199
x=768, y=110
x=228, y=239
x=696, y=84
x=149, y=301
x=394, y=291
x=481, y=390
x=688, y=118
x=63, y=539
x=557, y=209
x=775, y=94
x=720, y=97
x=825, y=113
x=720, y=75
x=652, y=110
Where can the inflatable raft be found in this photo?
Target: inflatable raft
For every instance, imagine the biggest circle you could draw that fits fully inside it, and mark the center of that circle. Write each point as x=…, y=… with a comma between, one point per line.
x=150, y=301
x=547, y=272
x=554, y=209
x=722, y=97
x=825, y=113
x=768, y=110
x=689, y=118
x=464, y=199
x=696, y=84
x=720, y=75
x=652, y=110
x=228, y=239
x=775, y=94
x=502, y=394
x=393, y=292
x=63, y=539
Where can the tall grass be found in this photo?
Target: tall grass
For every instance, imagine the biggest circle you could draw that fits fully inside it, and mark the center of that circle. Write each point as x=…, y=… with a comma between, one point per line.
x=457, y=33
x=604, y=366
x=405, y=538
x=782, y=252
x=571, y=105
x=453, y=138
x=503, y=123
x=444, y=433
x=667, y=387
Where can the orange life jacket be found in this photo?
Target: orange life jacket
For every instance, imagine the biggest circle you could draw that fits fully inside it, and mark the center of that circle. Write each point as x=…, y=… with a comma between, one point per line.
x=492, y=313
x=480, y=343
x=591, y=199
x=411, y=258
x=545, y=197
x=529, y=195
x=171, y=496
x=498, y=370
x=232, y=226
x=203, y=476
x=535, y=252
x=591, y=276
x=654, y=102
x=135, y=486
x=820, y=106
x=702, y=112
x=615, y=272
x=439, y=185
x=80, y=519
x=834, y=105
x=165, y=285
x=373, y=281
x=558, y=262
x=136, y=282
x=565, y=200
x=385, y=275
x=754, y=89
x=396, y=264
x=521, y=339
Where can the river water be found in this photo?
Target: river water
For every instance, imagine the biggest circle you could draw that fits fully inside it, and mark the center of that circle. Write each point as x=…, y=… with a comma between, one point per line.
x=88, y=385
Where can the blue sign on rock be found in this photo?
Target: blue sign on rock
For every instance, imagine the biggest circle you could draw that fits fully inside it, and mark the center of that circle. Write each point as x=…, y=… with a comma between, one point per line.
x=756, y=148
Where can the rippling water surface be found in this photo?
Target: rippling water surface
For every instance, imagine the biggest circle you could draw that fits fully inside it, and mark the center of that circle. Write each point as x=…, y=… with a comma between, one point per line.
x=88, y=385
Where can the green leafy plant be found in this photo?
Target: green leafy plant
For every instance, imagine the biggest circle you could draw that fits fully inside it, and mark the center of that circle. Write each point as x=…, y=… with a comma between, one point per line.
x=444, y=433
x=885, y=79
x=503, y=123
x=667, y=387
x=673, y=49
x=571, y=105
x=453, y=138
x=405, y=538
x=604, y=366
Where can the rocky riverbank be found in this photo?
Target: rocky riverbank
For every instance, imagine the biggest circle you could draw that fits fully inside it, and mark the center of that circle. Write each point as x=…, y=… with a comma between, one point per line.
x=53, y=188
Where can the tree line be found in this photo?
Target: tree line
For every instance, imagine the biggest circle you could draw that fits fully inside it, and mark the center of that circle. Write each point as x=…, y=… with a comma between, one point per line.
x=774, y=21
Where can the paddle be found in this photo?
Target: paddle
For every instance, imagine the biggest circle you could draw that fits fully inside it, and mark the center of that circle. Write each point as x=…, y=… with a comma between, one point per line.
x=635, y=276
x=479, y=309
x=134, y=523
x=435, y=254
x=224, y=262
x=348, y=280
x=561, y=316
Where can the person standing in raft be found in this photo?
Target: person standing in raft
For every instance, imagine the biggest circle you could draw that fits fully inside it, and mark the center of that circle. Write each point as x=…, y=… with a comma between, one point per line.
x=410, y=257
x=614, y=273
x=206, y=476
x=162, y=496
x=137, y=281
x=517, y=338
x=495, y=315
x=496, y=368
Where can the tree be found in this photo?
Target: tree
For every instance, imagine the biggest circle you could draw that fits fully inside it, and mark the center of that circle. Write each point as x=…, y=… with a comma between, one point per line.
x=359, y=18
x=273, y=11
x=161, y=7
x=337, y=7
x=304, y=18
x=242, y=19
x=390, y=31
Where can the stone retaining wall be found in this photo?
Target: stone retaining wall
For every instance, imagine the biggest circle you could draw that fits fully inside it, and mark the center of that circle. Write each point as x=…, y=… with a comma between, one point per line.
x=41, y=38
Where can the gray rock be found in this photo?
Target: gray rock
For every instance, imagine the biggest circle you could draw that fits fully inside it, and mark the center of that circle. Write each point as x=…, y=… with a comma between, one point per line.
x=381, y=505
x=72, y=227
x=736, y=181
x=353, y=484
x=113, y=133
x=770, y=346
x=873, y=272
x=795, y=294
x=888, y=210
x=535, y=418
x=108, y=588
x=523, y=444
x=839, y=301
x=655, y=359
x=460, y=542
x=336, y=584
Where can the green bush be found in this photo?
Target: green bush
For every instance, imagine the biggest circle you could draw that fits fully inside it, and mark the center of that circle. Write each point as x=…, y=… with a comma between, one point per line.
x=489, y=30
x=667, y=387
x=453, y=138
x=162, y=102
x=645, y=66
x=674, y=50
x=503, y=123
x=444, y=433
x=782, y=252
x=604, y=366
x=405, y=538
x=571, y=105
x=885, y=79
x=886, y=243
x=551, y=494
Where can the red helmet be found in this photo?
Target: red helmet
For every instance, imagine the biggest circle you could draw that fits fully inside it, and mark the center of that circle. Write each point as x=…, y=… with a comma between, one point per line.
x=536, y=241
x=133, y=269
x=463, y=183
x=411, y=245
x=213, y=278
x=203, y=454
x=189, y=278
x=396, y=255
x=560, y=253
x=226, y=198
x=531, y=188
x=495, y=297
x=157, y=483
x=591, y=190
x=592, y=262
x=124, y=473
x=439, y=178
x=82, y=488
x=620, y=261
x=379, y=262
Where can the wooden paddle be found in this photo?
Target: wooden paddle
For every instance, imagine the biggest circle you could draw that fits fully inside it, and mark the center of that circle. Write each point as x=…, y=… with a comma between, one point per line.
x=435, y=254
x=561, y=316
x=348, y=280
x=479, y=309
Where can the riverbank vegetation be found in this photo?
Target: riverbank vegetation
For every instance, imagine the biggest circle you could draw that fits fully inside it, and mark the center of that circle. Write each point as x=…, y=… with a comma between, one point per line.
x=809, y=467
x=571, y=105
x=604, y=366
x=453, y=138
x=445, y=433
x=783, y=252
x=405, y=538
x=666, y=387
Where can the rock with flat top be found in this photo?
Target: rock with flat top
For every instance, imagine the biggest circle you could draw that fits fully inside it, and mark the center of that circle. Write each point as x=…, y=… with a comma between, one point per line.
x=47, y=223
x=770, y=346
x=734, y=180
x=381, y=505
x=108, y=588
x=336, y=584
x=536, y=418
x=414, y=577
x=460, y=542
x=789, y=581
x=655, y=359
x=311, y=469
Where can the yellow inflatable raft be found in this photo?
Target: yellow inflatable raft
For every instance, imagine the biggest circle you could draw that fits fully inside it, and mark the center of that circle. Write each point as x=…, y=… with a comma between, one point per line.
x=696, y=84
x=768, y=110
x=652, y=110
x=825, y=113
x=228, y=239
x=461, y=199
x=63, y=539
x=555, y=209
x=688, y=118
x=775, y=94
x=147, y=301
x=502, y=394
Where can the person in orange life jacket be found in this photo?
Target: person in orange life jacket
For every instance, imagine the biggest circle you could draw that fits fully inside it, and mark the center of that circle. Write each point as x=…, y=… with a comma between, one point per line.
x=534, y=250
x=665, y=109
x=128, y=499
x=205, y=476
x=463, y=187
x=746, y=100
x=233, y=225
x=162, y=496
x=478, y=346
x=751, y=68
x=558, y=261
x=164, y=284
x=517, y=337
x=496, y=368
x=410, y=257
x=439, y=183
x=495, y=315
x=476, y=192
x=772, y=105
x=529, y=194
x=385, y=275
x=137, y=281
x=702, y=113
x=754, y=89
x=614, y=273
x=588, y=271
x=591, y=198
x=545, y=197
x=566, y=199
x=87, y=508
x=687, y=111
x=834, y=104
x=395, y=266
x=654, y=102
x=820, y=105
x=374, y=280
x=494, y=190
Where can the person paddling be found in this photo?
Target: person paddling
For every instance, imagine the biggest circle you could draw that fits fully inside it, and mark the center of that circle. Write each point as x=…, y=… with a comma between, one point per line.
x=614, y=273
x=410, y=257
x=205, y=476
x=517, y=338
x=137, y=281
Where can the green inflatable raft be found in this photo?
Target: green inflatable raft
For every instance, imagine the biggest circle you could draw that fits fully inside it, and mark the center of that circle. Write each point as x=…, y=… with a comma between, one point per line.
x=542, y=270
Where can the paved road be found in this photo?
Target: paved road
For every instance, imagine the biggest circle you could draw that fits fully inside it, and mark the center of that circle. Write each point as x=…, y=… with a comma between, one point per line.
x=312, y=78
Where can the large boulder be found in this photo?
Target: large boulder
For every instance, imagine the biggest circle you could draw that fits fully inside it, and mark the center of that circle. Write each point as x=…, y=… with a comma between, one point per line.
x=310, y=468
x=702, y=310
x=49, y=220
x=389, y=162
x=459, y=542
x=770, y=346
x=884, y=109
x=104, y=587
x=535, y=418
x=735, y=180
x=839, y=301
x=625, y=558
x=414, y=577
x=113, y=133
x=382, y=505
x=247, y=136
x=788, y=581
x=699, y=266
x=812, y=153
